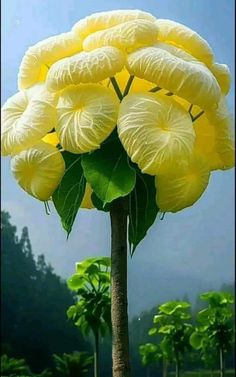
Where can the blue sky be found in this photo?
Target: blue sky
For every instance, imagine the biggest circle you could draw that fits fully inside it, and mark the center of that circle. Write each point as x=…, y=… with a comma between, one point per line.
x=194, y=246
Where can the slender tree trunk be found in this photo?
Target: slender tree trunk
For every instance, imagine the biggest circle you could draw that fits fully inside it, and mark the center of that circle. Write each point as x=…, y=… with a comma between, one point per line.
x=222, y=363
x=119, y=302
x=148, y=371
x=96, y=354
x=164, y=366
x=177, y=368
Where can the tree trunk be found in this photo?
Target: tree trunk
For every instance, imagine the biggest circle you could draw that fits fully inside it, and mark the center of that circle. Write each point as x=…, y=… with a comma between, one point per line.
x=222, y=363
x=96, y=354
x=164, y=366
x=119, y=302
x=177, y=368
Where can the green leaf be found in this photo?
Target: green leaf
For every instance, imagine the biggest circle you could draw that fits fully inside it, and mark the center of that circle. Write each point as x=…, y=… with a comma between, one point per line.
x=152, y=331
x=71, y=312
x=158, y=318
x=98, y=204
x=75, y=282
x=108, y=171
x=167, y=329
x=69, y=194
x=172, y=306
x=196, y=340
x=142, y=209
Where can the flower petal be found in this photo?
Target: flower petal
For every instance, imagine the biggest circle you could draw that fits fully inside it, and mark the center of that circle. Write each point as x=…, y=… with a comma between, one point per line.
x=127, y=36
x=175, y=70
x=38, y=170
x=27, y=117
x=222, y=75
x=222, y=121
x=155, y=131
x=106, y=20
x=185, y=38
x=87, y=116
x=182, y=187
x=85, y=67
x=87, y=201
x=38, y=58
x=51, y=138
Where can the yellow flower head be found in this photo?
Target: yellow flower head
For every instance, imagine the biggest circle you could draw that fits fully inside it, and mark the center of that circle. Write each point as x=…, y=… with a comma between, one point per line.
x=155, y=79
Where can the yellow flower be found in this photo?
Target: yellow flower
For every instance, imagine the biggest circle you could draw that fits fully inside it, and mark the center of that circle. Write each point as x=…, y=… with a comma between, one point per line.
x=85, y=67
x=155, y=131
x=26, y=118
x=182, y=187
x=177, y=71
x=38, y=170
x=38, y=58
x=87, y=116
x=156, y=79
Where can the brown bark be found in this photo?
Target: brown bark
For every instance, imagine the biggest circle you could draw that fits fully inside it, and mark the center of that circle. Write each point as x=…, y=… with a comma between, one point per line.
x=119, y=302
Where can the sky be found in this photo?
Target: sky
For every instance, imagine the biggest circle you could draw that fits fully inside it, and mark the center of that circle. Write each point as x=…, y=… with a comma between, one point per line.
x=186, y=252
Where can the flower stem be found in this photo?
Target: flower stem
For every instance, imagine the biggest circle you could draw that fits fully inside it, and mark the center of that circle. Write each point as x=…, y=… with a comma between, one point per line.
x=116, y=87
x=128, y=85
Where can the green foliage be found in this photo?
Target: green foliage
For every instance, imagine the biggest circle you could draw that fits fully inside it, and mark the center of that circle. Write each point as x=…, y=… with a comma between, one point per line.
x=92, y=311
x=142, y=208
x=150, y=353
x=69, y=194
x=171, y=324
x=215, y=330
x=34, y=301
x=72, y=365
x=13, y=367
x=108, y=171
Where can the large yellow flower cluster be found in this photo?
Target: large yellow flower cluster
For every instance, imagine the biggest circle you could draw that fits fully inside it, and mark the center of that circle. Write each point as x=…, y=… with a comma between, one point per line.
x=155, y=79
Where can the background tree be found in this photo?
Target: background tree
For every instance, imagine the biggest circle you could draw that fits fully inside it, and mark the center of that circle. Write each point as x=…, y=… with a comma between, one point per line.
x=216, y=330
x=72, y=365
x=92, y=311
x=150, y=354
x=33, y=304
x=171, y=322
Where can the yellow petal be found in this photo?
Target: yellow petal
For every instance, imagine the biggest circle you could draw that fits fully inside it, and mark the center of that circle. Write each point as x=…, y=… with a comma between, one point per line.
x=38, y=58
x=38, y=170
x=177, y=71
x=87, y=116
x=51, y=138
x=26, y=118
x=106, y=20
x=155, y=131
x=182, y=187
x=87, y=202
x=127, y=36
x=85, y=67
x=222, y=121
x=185, y=38
x=222, y=75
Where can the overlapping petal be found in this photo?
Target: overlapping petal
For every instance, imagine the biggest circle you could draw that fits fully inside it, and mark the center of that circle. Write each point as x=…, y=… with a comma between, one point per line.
x=174, y=69
x=183, y=186
x=38, y=170
x=42, y=55
x=87, y=116
x=105, y=20
x=51, y=138
x=222, y=75
x=185, y=38
x=126, y=36
x=85, y=67
x=155, y=131
x=87, y=201
x=27, y=117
